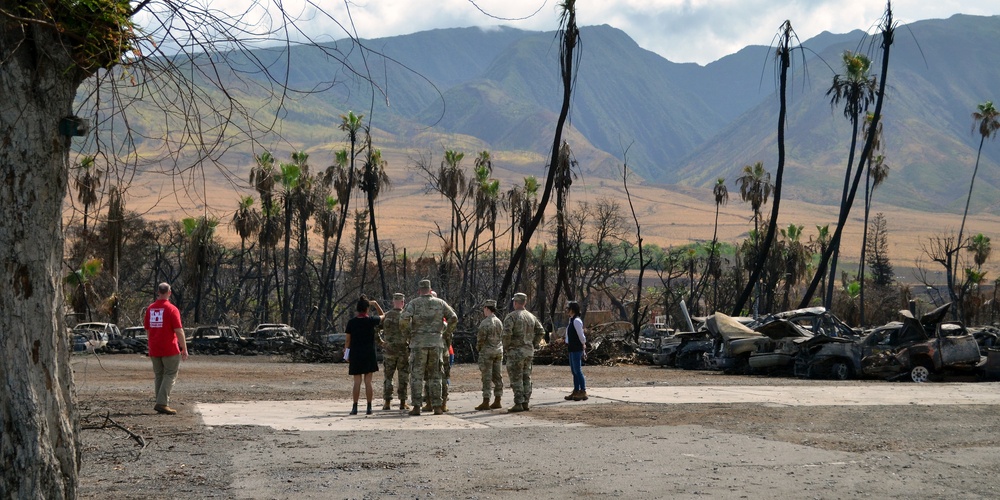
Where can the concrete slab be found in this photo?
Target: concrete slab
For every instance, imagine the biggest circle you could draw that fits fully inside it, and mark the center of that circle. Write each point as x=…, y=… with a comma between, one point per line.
x=332, y=415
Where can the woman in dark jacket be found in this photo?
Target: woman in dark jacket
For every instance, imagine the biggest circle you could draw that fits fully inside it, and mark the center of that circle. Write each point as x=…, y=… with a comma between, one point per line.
x=575, y=343
x=359, y=349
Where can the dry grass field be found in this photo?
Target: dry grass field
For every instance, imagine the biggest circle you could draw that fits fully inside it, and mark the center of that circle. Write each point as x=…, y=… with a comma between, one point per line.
x=407, y=213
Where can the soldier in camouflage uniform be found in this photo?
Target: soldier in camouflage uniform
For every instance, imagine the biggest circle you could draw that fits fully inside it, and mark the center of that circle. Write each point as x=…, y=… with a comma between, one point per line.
x=421, y=318
x=522, y=334
x=397, y=353
x=490, y=347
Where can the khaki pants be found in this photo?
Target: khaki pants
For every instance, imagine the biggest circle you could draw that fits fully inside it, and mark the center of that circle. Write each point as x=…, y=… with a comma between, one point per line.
x=165, y=369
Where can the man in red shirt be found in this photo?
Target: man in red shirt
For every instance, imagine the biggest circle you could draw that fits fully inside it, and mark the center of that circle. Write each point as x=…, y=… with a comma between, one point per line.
x=167, y=346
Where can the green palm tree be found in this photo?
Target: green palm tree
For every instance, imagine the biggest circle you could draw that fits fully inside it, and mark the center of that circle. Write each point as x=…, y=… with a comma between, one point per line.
x=82, y=282
x=986, y=119
x=979, y=247
x=290, y=177
x=374, y=180
x=855, y=89
x=263, y=179
x=755, y=188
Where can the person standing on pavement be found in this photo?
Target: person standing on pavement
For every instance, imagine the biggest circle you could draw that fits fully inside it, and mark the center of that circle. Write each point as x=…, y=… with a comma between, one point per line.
x=489, y=343
x=361, y=337
x=575, y=343
x=422, y=320
x=167, y=345
x=522, y=334
x=396, y=359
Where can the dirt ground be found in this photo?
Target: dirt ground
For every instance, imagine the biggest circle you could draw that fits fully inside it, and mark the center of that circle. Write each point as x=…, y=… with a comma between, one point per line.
x=623, y=450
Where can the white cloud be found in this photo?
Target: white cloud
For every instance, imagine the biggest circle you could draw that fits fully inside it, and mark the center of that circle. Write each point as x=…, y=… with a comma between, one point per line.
x=680, y=30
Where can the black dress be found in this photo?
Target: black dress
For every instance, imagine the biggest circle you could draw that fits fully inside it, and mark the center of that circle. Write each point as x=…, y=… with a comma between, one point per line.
x=362, y=357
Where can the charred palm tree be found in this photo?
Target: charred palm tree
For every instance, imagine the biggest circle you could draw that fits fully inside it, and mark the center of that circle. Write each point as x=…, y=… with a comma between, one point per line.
x=568, y=38
x=721, y=193
x=786, y=37
x=246, y=223
x=87, y=182
x=876, y=173
x=563, y=181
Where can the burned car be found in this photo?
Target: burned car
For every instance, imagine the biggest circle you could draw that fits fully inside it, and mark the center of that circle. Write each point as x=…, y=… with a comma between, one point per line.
x=650, y=339
x=217, y=339
x=815, y=320
x=911, y=348
x=276, y=337
x=691, y=350
x=732, y=344
x=779, y=348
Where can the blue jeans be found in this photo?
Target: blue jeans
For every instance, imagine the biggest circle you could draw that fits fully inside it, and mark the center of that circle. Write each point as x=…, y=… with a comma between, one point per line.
x=576, y=365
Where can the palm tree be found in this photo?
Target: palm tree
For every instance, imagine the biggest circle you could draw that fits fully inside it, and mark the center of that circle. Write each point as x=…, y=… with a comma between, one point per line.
x=755, y=188
x=568, y=36
x=262, y=178
x=856, y=89
x=198, y=254
x=876, y=173
x=82, y=282
x=721, y=193
x=87, y=182
x=246, y=223
x=487, y=201
x=888, y=35
x=796, y=258
x=987, y=120
x=979, y=247
x=374, y=179
x=786, y=35
x=290, y=177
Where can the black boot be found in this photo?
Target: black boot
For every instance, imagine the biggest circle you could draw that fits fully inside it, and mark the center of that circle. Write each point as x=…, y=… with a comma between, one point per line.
x=369, y=412
x=354, y=409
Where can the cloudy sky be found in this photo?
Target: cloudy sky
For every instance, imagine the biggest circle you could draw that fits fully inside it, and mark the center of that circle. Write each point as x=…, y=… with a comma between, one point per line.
x=680, y=30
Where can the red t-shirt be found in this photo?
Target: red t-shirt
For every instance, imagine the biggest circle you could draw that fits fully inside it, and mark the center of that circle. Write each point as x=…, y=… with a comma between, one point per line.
x=160, y=320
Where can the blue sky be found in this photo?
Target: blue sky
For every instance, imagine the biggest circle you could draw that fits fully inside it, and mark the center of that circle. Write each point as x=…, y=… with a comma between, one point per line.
x=680, y=30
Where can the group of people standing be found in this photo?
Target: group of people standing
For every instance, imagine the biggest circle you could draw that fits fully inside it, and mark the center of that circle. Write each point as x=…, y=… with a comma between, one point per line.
x=417, y=336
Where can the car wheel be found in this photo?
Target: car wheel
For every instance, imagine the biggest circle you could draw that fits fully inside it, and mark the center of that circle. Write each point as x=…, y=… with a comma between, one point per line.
x=920, y=374
x=840, y=371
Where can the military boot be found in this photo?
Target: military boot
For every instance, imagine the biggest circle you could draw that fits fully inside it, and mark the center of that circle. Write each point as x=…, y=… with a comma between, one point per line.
x=427, y=407
x=485, y=405
x=415, y=411
x=403, y=405
x=438, y=410
x=516, y=408
x=525, y=407
x=444, y=404
x=387, y=405
x=496, y=404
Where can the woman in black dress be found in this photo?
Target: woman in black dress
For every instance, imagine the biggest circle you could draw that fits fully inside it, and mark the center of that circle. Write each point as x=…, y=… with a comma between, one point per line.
x=359, y=349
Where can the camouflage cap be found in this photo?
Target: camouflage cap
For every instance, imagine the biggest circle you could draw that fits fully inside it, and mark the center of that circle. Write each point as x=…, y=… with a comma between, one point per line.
x=424, y=285
x=490, y=303
x=398, y=296
x=520, y=297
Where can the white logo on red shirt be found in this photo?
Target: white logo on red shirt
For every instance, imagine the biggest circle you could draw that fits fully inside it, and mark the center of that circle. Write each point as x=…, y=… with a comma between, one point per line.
x=156, y=318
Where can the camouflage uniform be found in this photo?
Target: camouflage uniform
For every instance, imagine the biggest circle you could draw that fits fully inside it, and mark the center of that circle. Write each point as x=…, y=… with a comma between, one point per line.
x=422, y=320
x=397, y=354
x=522, y=334
x=490, y=346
